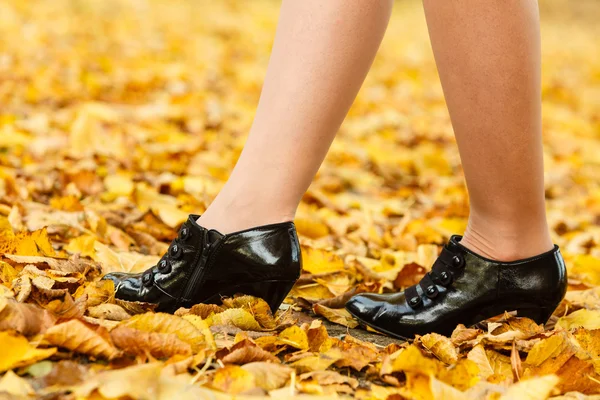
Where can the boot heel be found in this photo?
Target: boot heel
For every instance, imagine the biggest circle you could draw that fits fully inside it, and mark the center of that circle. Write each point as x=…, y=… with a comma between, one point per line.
x=273, y=292
x=538, y=314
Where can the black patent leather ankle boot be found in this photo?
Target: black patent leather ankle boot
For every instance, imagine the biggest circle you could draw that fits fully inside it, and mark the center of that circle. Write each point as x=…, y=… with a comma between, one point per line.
x=465, y=288
x=202, y=266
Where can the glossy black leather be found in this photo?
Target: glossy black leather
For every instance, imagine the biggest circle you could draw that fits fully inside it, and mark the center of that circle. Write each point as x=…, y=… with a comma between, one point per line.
x=479, y=289
x=204, y=265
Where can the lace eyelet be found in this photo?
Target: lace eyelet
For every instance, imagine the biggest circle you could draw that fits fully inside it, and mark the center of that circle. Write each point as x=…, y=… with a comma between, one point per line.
x=147, y=279
x=164, y=267
x=431, y=291
x=458, y=261
x=175, y=251
x=414, y=301
x=446, y=278
x=184, y=234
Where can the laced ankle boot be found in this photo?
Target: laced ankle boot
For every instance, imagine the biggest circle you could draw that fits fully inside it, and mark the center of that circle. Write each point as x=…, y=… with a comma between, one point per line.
x=203, y=266
x=466, y=288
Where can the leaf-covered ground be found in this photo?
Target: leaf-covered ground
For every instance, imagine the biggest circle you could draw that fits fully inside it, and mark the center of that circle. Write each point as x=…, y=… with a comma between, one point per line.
x=118, y=118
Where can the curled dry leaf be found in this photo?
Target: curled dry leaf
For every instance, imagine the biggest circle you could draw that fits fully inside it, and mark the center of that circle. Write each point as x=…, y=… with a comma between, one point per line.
x=202, y=310
x=256, y=306
x=159, y=345
x=97, y=292
x=339, y=316
x=244, y=352
x=166, y=323
x=441, y=347
x=356, y=353
x=136, y=307
x=109, y=311
x=26, y=319
x=79, y=338
x=236, y=317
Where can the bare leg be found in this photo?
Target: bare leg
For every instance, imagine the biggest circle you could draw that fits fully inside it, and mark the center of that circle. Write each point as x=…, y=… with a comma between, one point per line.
x=488, y=56
x=321, y=55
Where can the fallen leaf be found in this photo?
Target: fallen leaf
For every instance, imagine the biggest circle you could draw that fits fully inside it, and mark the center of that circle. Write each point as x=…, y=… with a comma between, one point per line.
x=79, y=338
x=18, y=352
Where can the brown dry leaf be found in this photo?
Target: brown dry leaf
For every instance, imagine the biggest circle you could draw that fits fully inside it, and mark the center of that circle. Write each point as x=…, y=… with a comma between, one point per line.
x=159, y=345
x=244, y=352
x=26, y=319
x=356, y=353
x=79, y=338
x=338, y=316
x=166, y=323
x=317, y=335
x=109, y=311
x=201, y=310
x=17, y=352
x=136, y=307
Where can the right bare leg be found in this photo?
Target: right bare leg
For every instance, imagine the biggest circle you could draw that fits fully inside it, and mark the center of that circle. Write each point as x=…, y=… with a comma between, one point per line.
x=321, y=55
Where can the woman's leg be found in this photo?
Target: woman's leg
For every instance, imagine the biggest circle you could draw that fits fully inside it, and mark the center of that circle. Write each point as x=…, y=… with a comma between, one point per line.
x=488, y=56
x=321, y=55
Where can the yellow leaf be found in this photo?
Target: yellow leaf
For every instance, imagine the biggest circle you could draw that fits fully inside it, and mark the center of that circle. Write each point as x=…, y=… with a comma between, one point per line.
x=269, y=376
x=317, y=261
x=588, y=267
x=233, y=379
x=17, y=352
x=138, y=382
x=83, y=245
x=236, y=317
x=294, y=336
x=531, y=389
x=441, y=347
x=588, y=319
x=77, y=337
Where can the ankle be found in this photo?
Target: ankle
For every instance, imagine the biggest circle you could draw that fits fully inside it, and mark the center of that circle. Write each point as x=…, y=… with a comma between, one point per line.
x=228, y=214
x=507, y=242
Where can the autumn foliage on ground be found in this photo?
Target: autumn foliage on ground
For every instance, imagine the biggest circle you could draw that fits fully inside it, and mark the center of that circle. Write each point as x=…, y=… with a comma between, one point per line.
x=119, y=118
